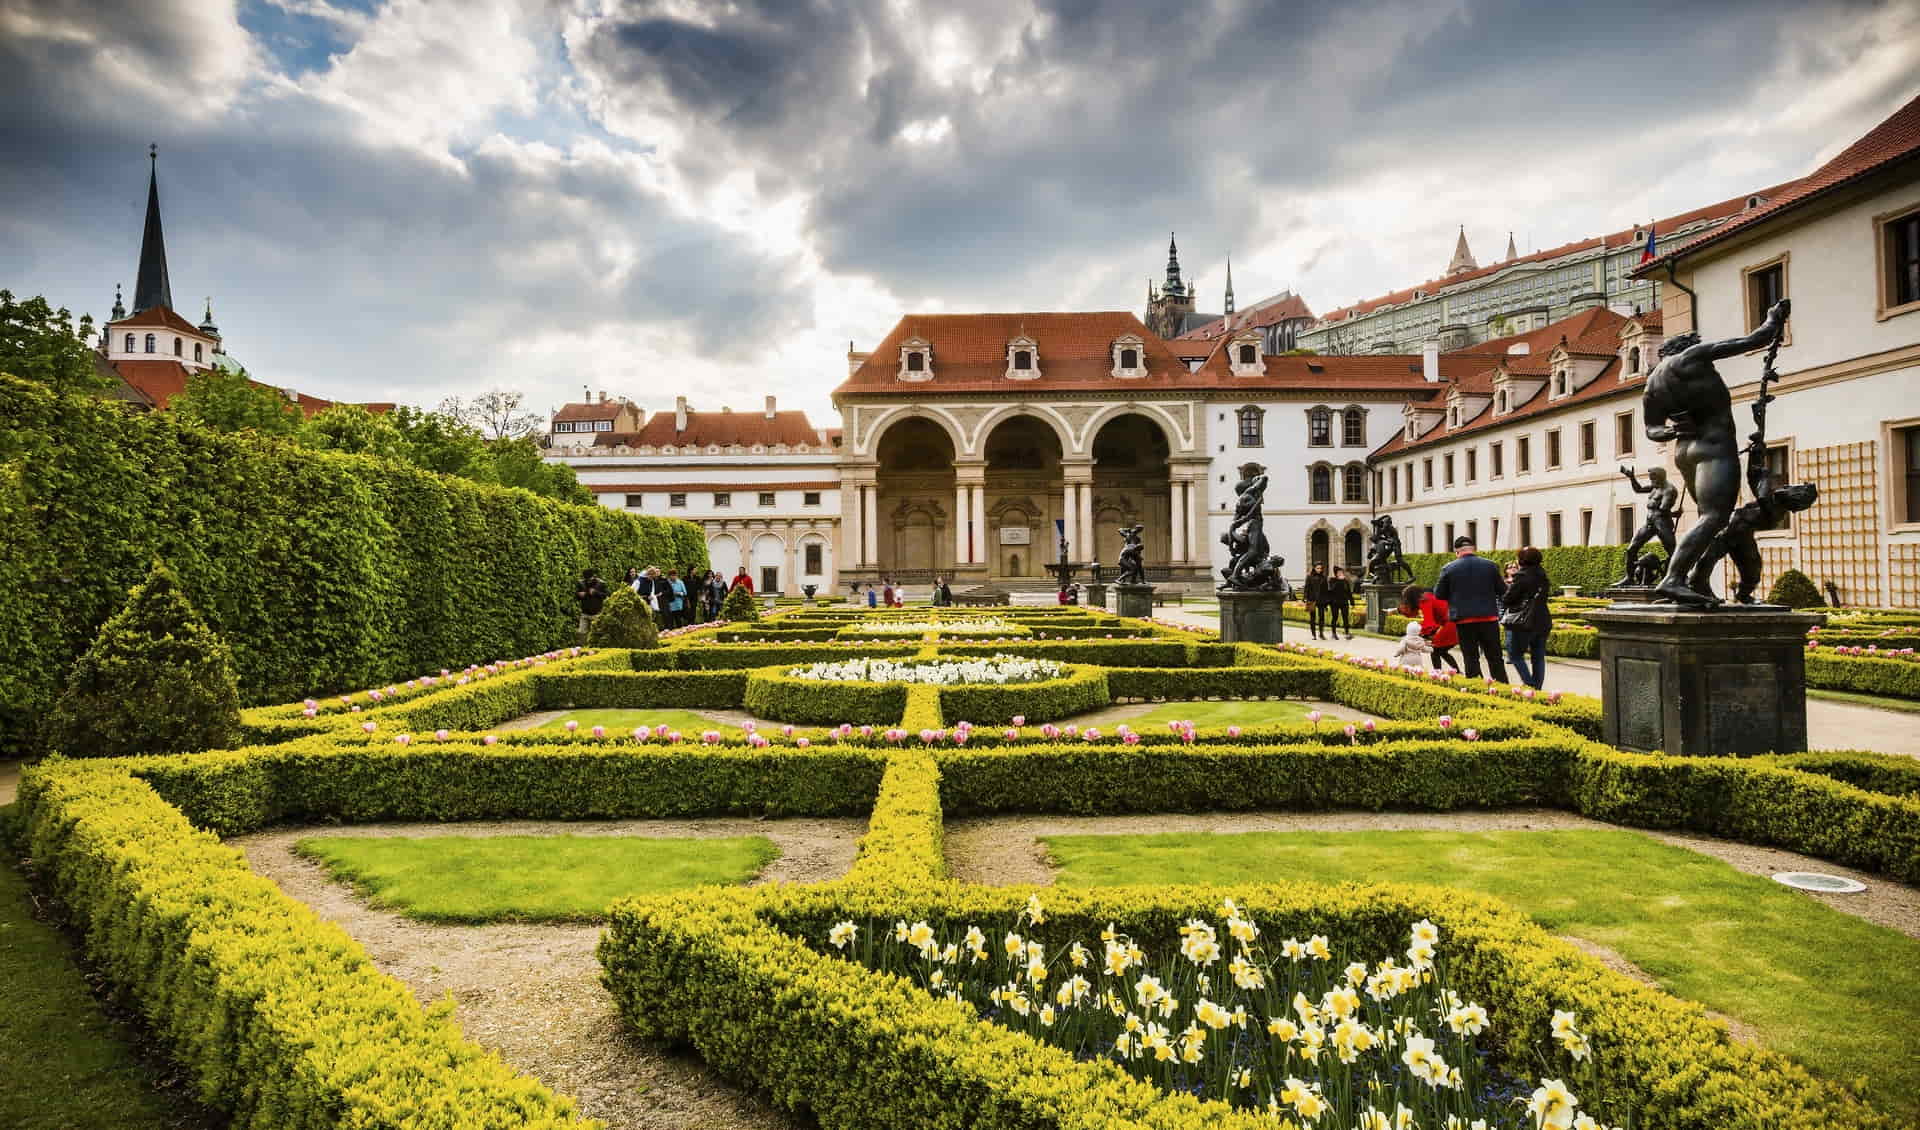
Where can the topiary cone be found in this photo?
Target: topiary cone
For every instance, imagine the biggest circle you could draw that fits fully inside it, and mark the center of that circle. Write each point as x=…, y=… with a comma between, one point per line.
x=1795, y=590
x=624, y=621
x=156, y=679
x=739, y=605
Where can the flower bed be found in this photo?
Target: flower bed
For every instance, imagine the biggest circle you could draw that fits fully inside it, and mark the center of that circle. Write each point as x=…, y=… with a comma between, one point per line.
x=1001, y=669
x=879, y=629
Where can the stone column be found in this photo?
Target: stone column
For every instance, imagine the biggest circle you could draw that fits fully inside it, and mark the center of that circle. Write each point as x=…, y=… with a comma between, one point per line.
x=790, y=580
x=1177, y=549
x=960, y=515
x=869, y=525
x=1079, y=511
x=979, y=512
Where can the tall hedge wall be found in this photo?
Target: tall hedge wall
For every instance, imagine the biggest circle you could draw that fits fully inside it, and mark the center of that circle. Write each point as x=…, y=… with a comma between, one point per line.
x=324, y=572
x=1592, y=567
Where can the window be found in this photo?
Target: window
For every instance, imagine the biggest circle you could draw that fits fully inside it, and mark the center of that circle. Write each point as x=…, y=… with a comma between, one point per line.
x=723, y=498
x=1523, y=455
x=1248, y=355
x=1353, y=483
x=1900, y=278
x=1633, y=361
x=150, y=343
x=1494, y=541
x=1553, y=449
x=1906, y=446
x=769, y=578
x=1586, y=527
x=1446, y=469
x=1453, y=416
x=1626, y=527
x=1129, y=358
x=1449, y=545
x=916, y=362
x=813, y=553
x=1353, y=427
x=1393, y=487
x=1559, y=382
x=1623, y=434
x=1473, y=531
x=1766, y=285
x=1553, y=529
x=179, y=348
x=1320, y=484
x=810, y=498
x=766, y=498
x=1022, y=360
x=1777, y=463
x=633, y=501
x=676, y=501
x=196, y=351
x=1588, y=445
x=1495, y=460
x=1429, y=533
x=1250, y=419
x=1409, y=482
x=1526, y=530
x=1320, y=427
x=129, y=343
x=1473, y=464
x=1500, y=403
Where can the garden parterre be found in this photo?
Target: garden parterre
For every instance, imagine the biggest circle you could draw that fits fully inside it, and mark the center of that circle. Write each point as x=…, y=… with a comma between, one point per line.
x=280, y=1018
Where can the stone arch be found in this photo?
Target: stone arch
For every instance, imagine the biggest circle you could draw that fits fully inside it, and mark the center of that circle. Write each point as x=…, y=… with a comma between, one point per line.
x=1062, y=430
x=1177, y=440
x=1132, y=472
x=1353, y=549
x=1319, y=546
x=723, y=551
x=876, y=430
x=915, y=489
x=769, y=552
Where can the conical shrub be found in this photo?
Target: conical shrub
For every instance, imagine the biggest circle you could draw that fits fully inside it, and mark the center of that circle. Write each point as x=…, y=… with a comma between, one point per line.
x=1795, y=590
x=739, y=605
x=624, y=621
x=156, y=679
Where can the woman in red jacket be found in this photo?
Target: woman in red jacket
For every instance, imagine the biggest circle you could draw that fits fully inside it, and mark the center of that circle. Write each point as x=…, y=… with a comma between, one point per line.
x=1436, y=626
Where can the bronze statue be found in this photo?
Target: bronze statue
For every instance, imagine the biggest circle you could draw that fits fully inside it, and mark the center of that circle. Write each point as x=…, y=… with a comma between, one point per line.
x=1686, y=402
x=1663, y=509
x=1771, y=502
x=1133, y=570
x=1385, y=561
x=1246, y=538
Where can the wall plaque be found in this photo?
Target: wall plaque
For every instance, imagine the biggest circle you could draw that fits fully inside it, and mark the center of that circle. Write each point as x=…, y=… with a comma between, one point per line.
x=1016, y=535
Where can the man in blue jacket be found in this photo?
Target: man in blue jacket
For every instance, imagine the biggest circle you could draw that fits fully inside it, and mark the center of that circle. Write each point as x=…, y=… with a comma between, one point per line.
x=1472, y=587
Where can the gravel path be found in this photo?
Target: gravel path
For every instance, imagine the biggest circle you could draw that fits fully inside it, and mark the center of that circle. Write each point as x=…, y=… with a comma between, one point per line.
x=1006, y=850
x=533, y=994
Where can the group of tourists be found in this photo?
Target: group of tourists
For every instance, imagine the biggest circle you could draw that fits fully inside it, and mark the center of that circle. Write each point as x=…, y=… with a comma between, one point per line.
x=676, y=601
x=888, y=595
x=1329, y=600
x=1469, y=606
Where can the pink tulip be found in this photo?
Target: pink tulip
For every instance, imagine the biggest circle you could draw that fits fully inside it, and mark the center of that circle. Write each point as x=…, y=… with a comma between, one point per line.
x=1130, y=738
x=1350, y=730
x=803, y=743
x=960, y=736
x=1367, y=726
x=708, y=737
x=1091, y=734
x=572, y=725
x=310, y=704
x=866, y=731
x=488, y=740
x=786, y=731
x=439, y=735
x=1010, y=734
x=1446, y=721
x=1186, y=736
x=1314, y=717
x=662, y=730
x=310, y=711
x=369, y=727
x=673, y=737
x=599, y=731
x=1470, y=734
x=1233, y=731
x=402, y=739
x=1019, y=719
x=749, y=725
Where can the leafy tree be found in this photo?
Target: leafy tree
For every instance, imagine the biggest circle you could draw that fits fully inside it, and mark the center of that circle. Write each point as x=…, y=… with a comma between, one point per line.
x=497, y=414
x=156, y=679
x=517, y=463
x=624, y=621
x=41, y=344
x=739, y=605
x=438, y=442
x=1795, y=590
x=353, y=429
x=232, y=402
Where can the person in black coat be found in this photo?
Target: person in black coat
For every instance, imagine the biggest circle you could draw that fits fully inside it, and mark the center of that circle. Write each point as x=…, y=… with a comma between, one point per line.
x=1472, y=588
x=591, y=593
x=1315, y=594
x=1528, y=620
x=1339, y=598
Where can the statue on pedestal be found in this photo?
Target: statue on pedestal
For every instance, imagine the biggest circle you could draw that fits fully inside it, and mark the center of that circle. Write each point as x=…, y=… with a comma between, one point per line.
x=1663, y=510
x=1250, y=567
x=1385, y=561
x=1133, y=570
x=1686, y=403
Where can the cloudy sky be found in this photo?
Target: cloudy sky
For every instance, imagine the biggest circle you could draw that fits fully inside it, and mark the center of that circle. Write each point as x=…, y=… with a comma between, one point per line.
x=409, y=200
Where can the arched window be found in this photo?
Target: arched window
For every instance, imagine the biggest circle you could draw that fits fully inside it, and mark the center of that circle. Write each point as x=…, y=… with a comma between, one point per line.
x=1353, y=427
x=1248, y=355
x=1129, y=358
x=196, y=351
x=1022, y=359
x=1559, y=382
x=1320, y=483
x=1250, y=426
x=1320, y=427
x=1502, y=405
x=1353, y=483
x=129, y=343
x=916, y=362
x=179, y=350
x=151, y=341
x=1633, y=360
x=1354, y=552
x=1453, y=415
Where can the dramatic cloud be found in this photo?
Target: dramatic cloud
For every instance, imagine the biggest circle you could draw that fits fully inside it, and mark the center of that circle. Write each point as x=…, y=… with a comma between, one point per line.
x=687, y=197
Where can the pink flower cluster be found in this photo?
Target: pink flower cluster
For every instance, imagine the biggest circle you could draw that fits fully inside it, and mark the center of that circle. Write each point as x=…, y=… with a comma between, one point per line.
x=311, y=707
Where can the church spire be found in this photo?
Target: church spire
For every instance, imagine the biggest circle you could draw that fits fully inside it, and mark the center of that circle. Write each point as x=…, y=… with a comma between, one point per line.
x=150, y=286
x=1173, y=286
x=119, y=307
x=206, y=324
x=1512, y=252
x=1229, y=288
x=1462, y=258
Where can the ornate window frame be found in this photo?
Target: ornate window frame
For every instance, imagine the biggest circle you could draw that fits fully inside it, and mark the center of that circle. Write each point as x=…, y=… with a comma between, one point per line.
x=1138, y=345
x=1023, y=344
x=910, y=349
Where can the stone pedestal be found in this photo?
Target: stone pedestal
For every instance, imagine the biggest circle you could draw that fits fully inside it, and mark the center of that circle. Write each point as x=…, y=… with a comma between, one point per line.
x=1096, y=595
x=1730, y=681
x=1629, y=594
x=1251, y=617
x=1383, y=600
x=1133, y=600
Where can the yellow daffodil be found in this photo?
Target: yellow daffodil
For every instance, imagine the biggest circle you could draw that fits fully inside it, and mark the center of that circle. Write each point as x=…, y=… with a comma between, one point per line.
x=1046, y=1017
x=1014, y=946
x=1148, y=989
x=1425, y=931
x=1077, y=954
x=842, y=935
x=920, y=936
x=1318, y=948
x=1340, y=1001
x=1292, y=949
x=1035, y=914
x=1552, y=1105
x=1357, y=973
x=1468, y=1020
x=1371, y=1119
x=1211, y=1014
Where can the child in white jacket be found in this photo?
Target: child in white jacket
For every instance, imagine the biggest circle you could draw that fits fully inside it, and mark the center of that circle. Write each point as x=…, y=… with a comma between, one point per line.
x=1413, y=648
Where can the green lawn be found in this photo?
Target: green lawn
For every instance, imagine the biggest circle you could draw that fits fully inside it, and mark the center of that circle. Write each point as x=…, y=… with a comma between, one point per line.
x=63, y=1065
x=1835, y=992
x=620, y=721
x=1215, y=715
x=529, y=878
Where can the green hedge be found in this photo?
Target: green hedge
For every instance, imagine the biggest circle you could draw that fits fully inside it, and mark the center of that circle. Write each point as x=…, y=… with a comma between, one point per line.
x=1083, y=689
x=322, y=571
x=1592, y=567
x=647, y=690
x=740, y=657
x=1894, y=678
x=772, y=693
x=1178, y=685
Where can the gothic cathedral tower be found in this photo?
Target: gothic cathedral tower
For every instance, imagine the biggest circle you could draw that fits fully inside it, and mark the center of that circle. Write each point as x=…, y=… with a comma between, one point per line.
x=1167, y=308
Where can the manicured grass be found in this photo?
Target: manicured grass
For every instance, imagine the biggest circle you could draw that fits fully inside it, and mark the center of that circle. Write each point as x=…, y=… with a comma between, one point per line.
x=623, y=721
x=64, y=1065
x=529, y=878
x=1840, y=994
x=1213, y=715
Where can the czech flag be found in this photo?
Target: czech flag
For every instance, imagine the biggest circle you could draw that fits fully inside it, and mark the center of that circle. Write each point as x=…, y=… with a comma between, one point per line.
x=1647, y=253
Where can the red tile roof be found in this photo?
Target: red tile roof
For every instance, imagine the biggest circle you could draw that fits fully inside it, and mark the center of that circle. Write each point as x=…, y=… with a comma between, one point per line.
x=1282, y=307
x=1394, y=372
x=161, y=316
x=1617, y=239
x=159, y=381
x=970, y=354
x=608, y=410
x=1894, y=140
x=723, y=428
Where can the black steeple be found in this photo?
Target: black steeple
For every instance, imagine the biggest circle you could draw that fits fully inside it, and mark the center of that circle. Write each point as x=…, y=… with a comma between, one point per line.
x=206, y=324
x=119, y=307
x=150, y=287
x=1173, y=286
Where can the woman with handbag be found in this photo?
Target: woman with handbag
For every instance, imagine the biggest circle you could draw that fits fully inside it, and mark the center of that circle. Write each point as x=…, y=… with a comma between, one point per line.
x=1527, y=619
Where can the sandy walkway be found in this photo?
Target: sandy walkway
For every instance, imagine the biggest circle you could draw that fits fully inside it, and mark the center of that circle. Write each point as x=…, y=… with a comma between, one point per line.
x=532, y=993
x=1002, y=851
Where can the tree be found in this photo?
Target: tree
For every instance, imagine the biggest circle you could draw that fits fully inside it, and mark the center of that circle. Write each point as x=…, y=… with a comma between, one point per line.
x=156, y=679
x=1795, y=590
x=438, y=442
x=231, y=402
x=353, y=429
x=739, y=605
x=517, y=463
x=497, y=414
x=41, y=344
x=624, y=621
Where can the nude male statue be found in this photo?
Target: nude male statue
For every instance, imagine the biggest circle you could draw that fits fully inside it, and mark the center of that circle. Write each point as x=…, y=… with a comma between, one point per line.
x=1662, y=511
x=1686, y=402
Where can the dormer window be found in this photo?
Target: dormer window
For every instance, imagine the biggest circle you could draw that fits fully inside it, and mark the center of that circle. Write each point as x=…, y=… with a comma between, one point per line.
x=1633, y=361
x=1023, y=359
x=1129, y=357
x=1453, y=415
x=916, y=360
x=1559, y=383
x=1500, y=403
x=1248, y=354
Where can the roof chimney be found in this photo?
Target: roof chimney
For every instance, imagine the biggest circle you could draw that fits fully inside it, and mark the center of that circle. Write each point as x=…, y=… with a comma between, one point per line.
x=679, y=413
x=1430, y=359
x=770, y=412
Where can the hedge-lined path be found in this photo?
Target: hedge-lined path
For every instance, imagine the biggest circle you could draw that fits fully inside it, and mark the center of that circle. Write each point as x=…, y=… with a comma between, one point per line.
x=1006, y=850
x=1830, y=725
x=533, y=994
x=1127, y=712
x=9, y=781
